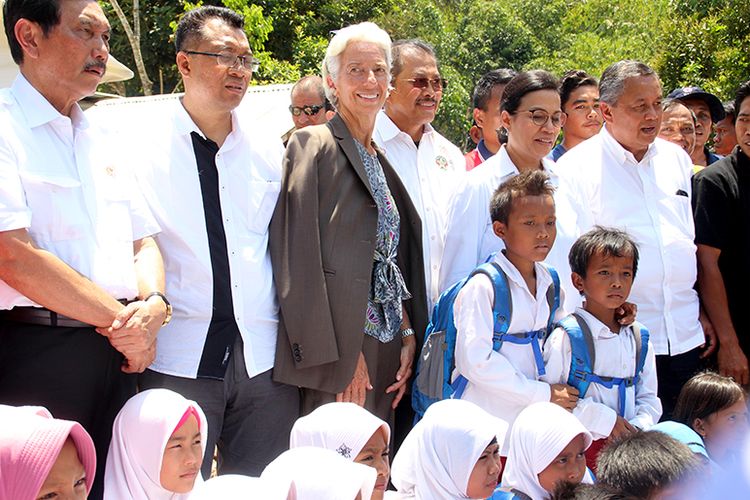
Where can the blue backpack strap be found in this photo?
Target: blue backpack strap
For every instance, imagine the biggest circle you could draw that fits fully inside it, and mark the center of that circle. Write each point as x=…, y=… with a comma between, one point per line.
x=641, y=335
x=582, y=354
x=553, y=296
x=501, y=311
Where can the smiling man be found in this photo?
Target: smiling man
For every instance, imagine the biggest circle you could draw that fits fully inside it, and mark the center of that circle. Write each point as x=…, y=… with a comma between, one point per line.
x=708, y=110
x=212, y=182
x=626, y=177
x=75, y=233
x=427, y=163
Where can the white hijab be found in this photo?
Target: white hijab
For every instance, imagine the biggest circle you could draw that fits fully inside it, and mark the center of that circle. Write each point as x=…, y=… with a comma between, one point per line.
x=316, y=474
x=139, y=437
x=341, y=427
x=540, y=432
x=233, y=486
x=437, y=457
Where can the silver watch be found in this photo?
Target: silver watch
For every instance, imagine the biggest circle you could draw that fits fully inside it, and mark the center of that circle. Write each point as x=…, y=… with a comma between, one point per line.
x=407, y=332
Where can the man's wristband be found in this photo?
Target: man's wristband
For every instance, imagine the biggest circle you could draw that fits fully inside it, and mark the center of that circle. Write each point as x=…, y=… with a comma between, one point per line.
x=168, y=316
x=407, y=332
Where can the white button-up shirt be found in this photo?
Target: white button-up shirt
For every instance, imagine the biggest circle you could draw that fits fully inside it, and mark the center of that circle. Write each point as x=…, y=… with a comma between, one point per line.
x=650, y=199
x=470, y=239
x=615, y=357
x=502, y=383
x=249, y=170
x=61, y=179
x=429, y=172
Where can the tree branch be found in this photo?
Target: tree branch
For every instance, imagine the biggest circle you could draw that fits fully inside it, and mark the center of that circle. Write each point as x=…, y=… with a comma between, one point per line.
x=134, y=37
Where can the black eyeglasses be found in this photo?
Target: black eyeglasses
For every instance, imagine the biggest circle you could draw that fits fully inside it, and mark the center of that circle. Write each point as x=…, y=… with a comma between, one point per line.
x=539, y=117
x=422, y=83
x=308, y=110
x=229, y=60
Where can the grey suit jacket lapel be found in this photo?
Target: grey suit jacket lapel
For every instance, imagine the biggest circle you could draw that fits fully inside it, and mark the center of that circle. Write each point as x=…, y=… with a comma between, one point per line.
x=346, y=141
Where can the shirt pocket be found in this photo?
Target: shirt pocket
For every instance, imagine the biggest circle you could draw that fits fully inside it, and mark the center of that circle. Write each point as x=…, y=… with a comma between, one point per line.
x=263, y=197
x=57, y=207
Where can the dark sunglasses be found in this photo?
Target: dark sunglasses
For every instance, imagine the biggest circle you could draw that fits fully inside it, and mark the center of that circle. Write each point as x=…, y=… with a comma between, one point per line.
x=308, y=110
x=422, y=83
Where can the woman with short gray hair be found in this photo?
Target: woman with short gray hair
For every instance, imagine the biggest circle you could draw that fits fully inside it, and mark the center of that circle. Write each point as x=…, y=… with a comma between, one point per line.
x=346, y=245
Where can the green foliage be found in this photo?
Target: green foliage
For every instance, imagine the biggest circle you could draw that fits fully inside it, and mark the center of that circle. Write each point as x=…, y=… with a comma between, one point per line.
x=702, y=42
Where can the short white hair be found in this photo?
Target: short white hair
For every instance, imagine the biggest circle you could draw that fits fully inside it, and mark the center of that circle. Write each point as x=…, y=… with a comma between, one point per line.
x=362, y=32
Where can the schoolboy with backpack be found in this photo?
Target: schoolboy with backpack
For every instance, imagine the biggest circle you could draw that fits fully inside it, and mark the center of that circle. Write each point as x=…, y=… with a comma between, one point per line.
x=501, y=314
x=612, y=365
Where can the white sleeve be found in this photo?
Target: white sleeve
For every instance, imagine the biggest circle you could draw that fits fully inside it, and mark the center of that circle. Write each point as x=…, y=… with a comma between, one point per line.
x=14, y=211
x=463, y=234
x=598, y=418
x=647, y=404
x=490, y=371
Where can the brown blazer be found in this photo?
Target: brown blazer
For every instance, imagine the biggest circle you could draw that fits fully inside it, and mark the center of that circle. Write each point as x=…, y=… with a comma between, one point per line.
x=322, y=240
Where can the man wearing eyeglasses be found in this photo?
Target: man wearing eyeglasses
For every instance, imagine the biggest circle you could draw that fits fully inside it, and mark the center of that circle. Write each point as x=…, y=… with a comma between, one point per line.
x=212, y=177
x=427, y=163
x=309, y=104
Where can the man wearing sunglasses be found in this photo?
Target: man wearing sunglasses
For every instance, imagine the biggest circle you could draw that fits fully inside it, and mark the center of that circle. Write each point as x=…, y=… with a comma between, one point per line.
x=309, y=104
x=212, y=177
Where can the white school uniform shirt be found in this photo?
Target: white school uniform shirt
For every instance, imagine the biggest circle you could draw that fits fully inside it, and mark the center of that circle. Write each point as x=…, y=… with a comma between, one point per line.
x=61, y=178
x=502, y=383
x=603, y=184
x=615, y=357
x=429, y=172
x=470, y=239
x=249, y=168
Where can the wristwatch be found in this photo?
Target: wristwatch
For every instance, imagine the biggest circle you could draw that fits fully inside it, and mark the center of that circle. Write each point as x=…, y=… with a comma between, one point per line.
x=163, y=297
x=407, y=332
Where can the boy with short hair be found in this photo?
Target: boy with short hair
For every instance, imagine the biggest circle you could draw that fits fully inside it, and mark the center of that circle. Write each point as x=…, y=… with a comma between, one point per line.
x=504, y=382
x=618, y=400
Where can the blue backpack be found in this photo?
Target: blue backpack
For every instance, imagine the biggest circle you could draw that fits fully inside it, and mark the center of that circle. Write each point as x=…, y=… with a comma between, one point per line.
x=437, y=359
x=583, y=356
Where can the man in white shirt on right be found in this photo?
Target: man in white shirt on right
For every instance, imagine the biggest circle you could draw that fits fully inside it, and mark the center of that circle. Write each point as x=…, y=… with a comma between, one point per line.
x=626, y=177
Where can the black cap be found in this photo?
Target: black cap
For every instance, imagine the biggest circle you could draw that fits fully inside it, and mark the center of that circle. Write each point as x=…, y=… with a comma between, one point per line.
x=713, y=102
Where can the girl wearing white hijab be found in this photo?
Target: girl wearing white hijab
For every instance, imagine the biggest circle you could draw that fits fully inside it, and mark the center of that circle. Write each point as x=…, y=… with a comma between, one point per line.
x=158, y=442
x=452, y=453
x=547, y=446
x=316, y=474
x=352, y=432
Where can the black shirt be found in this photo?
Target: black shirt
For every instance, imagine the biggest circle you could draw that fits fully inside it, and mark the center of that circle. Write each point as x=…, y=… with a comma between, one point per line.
x=223, y=329
x=721, y=207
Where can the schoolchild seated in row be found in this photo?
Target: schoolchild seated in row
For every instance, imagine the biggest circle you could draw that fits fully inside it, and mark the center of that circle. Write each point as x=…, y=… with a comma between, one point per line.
x=618, y=388
x=504, y=381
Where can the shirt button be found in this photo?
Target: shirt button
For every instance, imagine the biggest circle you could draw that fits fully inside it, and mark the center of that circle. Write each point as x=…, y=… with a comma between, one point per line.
x=432, y=238
x=434, y=267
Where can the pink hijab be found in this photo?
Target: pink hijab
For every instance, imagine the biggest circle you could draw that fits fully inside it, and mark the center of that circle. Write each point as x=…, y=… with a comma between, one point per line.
x=139, y=436
x=30, y=441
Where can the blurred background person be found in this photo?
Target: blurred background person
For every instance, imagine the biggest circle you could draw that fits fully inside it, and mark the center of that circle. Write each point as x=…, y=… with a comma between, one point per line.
x=486, y=100
x=724, y=137
x=309, y=104
x=579, y=97
x=708, y=110
x=678, y=125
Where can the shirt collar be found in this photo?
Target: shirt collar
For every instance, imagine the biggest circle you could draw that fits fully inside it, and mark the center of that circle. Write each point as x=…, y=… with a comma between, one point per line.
x=389, y=130
x=543, y=278
x=37, y=110
x=184, y=124
x=621, y=154
x=598, y=329
x=484, y=153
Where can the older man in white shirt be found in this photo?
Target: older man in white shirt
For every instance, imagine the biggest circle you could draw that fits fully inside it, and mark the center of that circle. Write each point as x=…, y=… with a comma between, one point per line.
x=75, y=234
x=428, y=164
x=212, y=181
x=626, y=177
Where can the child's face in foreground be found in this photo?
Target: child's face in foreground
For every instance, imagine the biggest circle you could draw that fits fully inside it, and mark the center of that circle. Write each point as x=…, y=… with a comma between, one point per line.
x=375, y=455
x=530, y=231
x=607, y=283
x=569, y=466
x=67, y=478
x=183, y=454
x=484, y=476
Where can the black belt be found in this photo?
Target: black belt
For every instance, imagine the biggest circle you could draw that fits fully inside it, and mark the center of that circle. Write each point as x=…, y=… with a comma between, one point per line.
x=43, y=316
